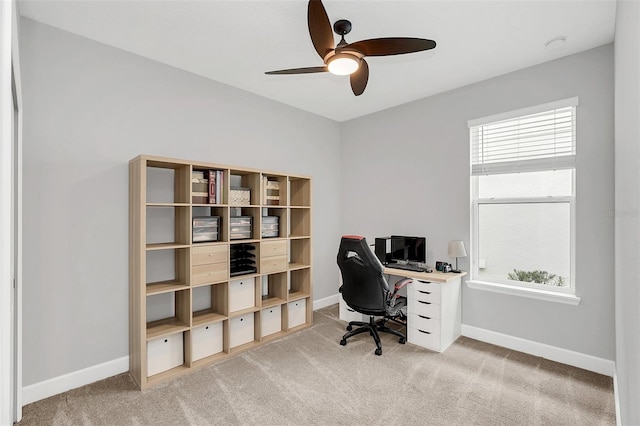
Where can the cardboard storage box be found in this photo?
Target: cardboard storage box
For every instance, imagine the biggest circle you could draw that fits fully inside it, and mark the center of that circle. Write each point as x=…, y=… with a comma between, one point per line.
x=239, y=196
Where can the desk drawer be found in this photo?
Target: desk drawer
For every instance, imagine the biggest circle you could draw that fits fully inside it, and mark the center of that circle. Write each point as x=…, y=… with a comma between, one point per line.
x=272, y=264
x=423, y=338
x=209, y=254
x=211, y=273
x=424, y=323
x=273, y=248
x=423, y=295
x=420, y=307
x=427, y=286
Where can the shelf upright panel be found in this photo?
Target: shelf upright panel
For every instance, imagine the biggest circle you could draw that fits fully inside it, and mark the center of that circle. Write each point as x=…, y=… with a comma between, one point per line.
x=137, y=270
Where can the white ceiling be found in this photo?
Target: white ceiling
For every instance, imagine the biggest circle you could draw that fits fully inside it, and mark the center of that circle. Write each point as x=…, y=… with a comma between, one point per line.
x=235, y=42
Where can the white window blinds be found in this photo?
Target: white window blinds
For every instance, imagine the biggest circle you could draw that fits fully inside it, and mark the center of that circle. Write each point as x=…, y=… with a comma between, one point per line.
x=532, y=139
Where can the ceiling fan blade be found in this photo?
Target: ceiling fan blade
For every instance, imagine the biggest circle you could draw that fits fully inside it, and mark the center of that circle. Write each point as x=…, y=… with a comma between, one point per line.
x=319, y=28
x=360, y=78
x=307, y=70
x=391, y=46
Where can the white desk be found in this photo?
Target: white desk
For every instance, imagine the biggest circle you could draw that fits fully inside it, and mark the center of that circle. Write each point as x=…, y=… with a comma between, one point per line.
x=434, y=311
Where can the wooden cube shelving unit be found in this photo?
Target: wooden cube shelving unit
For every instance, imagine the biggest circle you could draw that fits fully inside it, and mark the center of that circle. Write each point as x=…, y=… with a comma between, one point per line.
x=180, y=289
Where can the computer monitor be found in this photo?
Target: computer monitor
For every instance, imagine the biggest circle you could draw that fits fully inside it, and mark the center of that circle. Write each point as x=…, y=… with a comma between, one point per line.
x=412, y=249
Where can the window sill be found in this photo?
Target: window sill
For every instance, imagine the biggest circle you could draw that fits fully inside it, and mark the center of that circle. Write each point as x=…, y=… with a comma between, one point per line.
x=533, y=293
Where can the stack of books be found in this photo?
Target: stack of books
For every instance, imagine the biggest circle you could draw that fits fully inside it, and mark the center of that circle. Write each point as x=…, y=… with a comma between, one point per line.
x=216, y=178
x=199, y=187
x=271, y=192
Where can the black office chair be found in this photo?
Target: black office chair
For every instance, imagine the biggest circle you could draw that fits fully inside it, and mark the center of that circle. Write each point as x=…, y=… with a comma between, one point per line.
x=365, y=290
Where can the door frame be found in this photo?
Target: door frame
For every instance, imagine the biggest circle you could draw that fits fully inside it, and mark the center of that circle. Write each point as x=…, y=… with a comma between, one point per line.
x=10, y=206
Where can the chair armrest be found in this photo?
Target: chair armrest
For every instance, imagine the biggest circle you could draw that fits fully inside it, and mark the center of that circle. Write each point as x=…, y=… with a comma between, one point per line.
x=396, y=287
x=402, y=283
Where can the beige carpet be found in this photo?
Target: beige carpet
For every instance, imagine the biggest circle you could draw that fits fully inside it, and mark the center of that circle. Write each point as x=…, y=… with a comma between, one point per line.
x=309, y=379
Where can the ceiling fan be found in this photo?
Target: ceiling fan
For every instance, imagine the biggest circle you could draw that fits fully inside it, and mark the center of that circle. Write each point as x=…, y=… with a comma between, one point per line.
x=348, y=58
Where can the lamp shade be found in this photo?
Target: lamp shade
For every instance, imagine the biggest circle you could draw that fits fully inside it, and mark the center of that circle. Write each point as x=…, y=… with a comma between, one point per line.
x=456, y=249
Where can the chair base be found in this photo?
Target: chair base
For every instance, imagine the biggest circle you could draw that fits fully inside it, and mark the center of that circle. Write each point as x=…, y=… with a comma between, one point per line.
x=373, y=327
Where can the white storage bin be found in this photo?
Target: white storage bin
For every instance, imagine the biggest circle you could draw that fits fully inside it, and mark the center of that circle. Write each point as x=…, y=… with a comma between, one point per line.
x=165, y=353
x=242, y=294
x=297, y=312
x=270, y=320
x=206, y=341
x=241, y=330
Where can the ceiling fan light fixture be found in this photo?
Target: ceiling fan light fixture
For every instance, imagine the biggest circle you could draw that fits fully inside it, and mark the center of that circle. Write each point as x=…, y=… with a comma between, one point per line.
x=343, y=64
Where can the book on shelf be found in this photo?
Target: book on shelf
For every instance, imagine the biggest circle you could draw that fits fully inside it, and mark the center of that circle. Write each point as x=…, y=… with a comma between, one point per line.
x=199, y=184
x=211, y=174
x=271, y=191
x=216, y=183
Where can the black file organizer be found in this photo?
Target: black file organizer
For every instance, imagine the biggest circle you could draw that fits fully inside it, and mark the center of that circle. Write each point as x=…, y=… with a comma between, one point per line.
x=243, y=260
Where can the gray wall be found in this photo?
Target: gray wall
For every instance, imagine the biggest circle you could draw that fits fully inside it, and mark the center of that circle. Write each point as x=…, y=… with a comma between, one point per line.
x=406, y=171
x=627, y=178
x=89, y=109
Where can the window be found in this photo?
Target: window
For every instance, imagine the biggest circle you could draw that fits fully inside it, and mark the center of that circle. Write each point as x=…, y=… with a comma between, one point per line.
x=523, y=192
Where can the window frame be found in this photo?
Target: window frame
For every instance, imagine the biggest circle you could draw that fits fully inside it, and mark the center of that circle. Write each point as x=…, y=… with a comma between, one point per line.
x=565, y=294
x=475, y=237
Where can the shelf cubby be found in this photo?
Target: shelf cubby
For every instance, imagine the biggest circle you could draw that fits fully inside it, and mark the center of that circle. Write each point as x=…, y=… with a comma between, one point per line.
x=299, y=284
x=201, y=184
x=168, y=313
x=300, y=222
x=166, y=269
x=273, y=289
x=209, y=303
x=281, y=214
x=273, y=186
x=243, y=259
x=209, y=211
x=245, y=179
x=299, y=253
x=167, y=226
x=167, y=183
x=299, y=192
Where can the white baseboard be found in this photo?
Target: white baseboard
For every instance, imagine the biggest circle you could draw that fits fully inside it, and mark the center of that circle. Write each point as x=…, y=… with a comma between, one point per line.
x=616, y=397
x=47, y=388
x=56, y=385
x=564, y=356
x=327, y=301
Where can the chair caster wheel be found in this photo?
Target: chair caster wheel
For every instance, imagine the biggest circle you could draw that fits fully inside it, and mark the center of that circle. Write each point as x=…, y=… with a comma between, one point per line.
x=402, y=340
x=378, y=351
x=343, y=342
x=349, y=328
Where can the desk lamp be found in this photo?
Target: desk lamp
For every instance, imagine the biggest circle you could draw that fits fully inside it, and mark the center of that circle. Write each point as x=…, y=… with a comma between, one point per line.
x=456, y=249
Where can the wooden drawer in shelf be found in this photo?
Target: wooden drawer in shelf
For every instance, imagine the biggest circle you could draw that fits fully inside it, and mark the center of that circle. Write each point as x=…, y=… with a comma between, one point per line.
x=210, y=273
x=202, y=255
x=269, y=265
x=273, y=248
x=209, y=264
